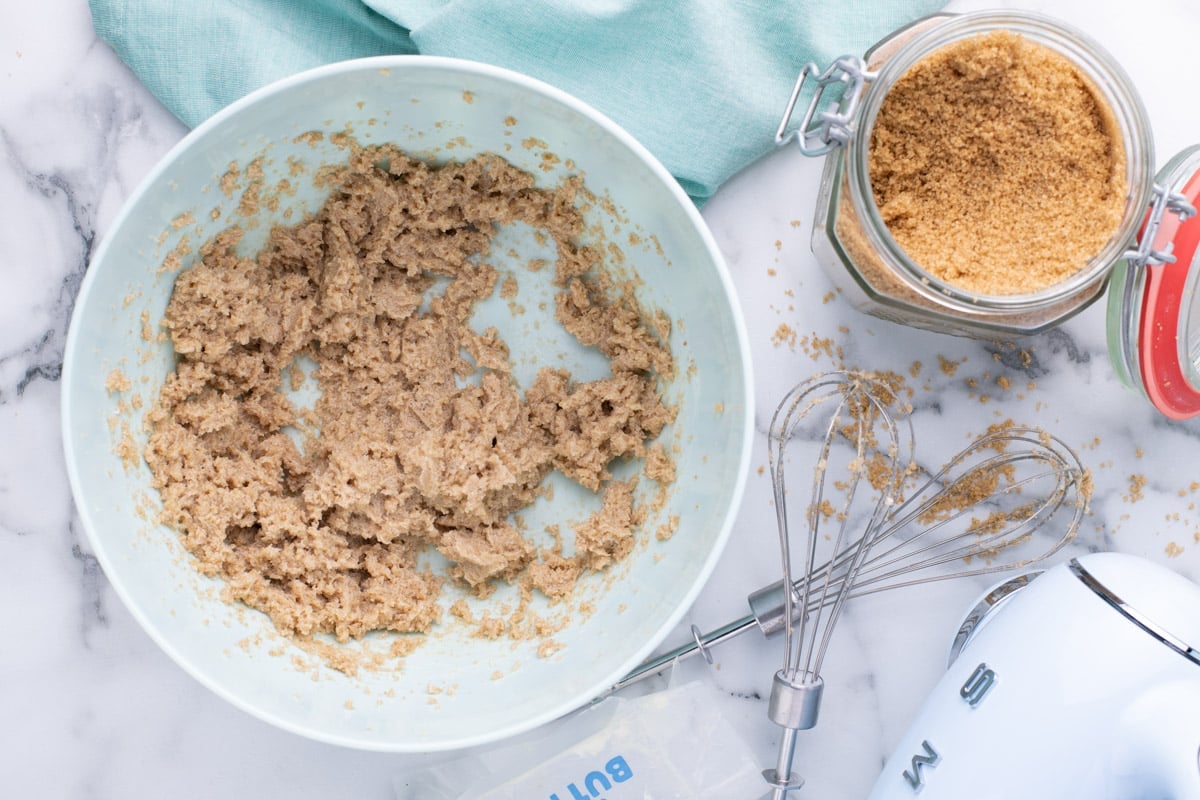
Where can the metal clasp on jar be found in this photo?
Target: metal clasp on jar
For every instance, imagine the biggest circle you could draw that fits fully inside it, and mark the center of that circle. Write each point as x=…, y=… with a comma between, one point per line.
x=827, y=120
x=1144, y=255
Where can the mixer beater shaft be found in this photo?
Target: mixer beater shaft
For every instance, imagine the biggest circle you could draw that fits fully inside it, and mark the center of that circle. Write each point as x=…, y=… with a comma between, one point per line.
x=985, y=511
x=914, y=558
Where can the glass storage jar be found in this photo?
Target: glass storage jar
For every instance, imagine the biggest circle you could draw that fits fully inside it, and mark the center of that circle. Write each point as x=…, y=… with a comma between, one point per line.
x=1152, y=255
x=850, y=238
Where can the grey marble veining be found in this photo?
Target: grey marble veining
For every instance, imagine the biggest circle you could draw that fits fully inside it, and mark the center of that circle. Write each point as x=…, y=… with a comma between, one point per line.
x=90, y=707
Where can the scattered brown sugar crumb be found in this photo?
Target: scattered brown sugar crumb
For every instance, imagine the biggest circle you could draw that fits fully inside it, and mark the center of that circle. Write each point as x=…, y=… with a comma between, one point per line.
x=250, y=201
x=947, y=366
x=607, y=536
x=1000, y=445
x=126, y=449
x=490, y=627
x=296, y=377
x=310, y=138
x=667, y=529
x=825, y=509
x=555, y=576
x=478, y=556
x=461, y=610
x=510, y=121
x=1087, y=485
x=117, y=382
x=183, y=220
x=660, y=467
x=972, y=487
x=1004, y=383
x=819, y=347
x=410, y=446
x=229, y=181
x=549, y=647
x=1137, y=487
x=468, y=98
x=174, y=259
x=1173, y=550
x=784, y=334
x=993, y=148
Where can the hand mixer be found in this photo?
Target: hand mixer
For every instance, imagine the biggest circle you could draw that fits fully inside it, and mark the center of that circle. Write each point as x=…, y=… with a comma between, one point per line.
x=1082, y=681
x=982, y=512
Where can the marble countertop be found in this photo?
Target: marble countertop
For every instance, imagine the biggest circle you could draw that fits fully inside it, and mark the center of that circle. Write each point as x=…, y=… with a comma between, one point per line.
x=91, y=708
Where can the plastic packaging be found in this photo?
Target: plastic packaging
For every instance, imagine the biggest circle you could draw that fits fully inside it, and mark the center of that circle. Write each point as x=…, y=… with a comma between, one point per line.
x=670, y=745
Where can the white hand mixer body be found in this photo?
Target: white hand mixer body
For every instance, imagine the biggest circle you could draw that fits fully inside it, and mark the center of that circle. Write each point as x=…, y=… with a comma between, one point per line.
x=1084, y=683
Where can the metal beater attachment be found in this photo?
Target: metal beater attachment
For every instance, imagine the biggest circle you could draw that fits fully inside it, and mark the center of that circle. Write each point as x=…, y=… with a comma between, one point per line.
x=861, y=459
x=1011, y=498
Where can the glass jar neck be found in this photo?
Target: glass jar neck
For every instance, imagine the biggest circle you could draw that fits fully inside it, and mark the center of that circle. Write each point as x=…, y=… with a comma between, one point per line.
x=1109, y=81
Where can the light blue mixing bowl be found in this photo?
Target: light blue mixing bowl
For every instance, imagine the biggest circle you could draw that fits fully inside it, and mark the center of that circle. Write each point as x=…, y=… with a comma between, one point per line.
x=456, y=689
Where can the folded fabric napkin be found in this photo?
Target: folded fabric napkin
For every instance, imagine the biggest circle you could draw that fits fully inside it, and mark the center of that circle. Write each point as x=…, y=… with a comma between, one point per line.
x=701, y=83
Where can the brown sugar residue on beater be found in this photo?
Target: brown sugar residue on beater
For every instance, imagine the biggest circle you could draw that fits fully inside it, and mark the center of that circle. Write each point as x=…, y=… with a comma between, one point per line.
x=886, y=390
x=420, y=438
x=997, y=165
x=974, y=486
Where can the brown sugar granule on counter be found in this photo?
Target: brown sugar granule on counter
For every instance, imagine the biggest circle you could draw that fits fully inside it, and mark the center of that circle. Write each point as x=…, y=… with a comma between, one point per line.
x=1137, y=488
x=784, y=334
x=997, y=166
x=420, y=438
x=947, y=366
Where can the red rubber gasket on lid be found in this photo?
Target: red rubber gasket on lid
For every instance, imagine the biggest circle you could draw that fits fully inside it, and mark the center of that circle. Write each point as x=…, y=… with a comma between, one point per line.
x=1163, y=375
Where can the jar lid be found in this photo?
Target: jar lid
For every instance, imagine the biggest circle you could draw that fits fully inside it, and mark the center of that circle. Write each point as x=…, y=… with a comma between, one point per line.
x=1153, y=304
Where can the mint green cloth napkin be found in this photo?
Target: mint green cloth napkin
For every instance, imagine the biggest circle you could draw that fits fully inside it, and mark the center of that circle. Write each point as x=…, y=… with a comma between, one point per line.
x=701, y=83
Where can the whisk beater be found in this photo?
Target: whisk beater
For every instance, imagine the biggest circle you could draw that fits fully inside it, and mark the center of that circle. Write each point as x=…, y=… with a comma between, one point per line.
x=1011, y=498
x=986, y=510
x=861, y=418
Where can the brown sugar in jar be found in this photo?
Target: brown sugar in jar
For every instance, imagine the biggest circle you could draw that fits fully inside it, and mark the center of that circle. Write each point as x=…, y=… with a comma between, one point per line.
x=991, y=171
x=996, y=166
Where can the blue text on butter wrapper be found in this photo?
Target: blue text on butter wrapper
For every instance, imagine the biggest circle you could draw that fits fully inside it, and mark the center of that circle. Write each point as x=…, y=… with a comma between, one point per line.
x=597, y=782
